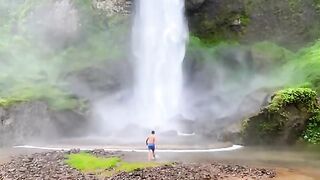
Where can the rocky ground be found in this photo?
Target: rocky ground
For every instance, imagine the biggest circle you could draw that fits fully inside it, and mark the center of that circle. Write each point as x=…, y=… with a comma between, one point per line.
x=197, y=171
x=51, y=165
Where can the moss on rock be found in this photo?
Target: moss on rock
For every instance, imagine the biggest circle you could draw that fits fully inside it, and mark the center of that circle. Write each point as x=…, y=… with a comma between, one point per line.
x=312, y=132
x=56, y=98
x=290, y=96
x=284, y=120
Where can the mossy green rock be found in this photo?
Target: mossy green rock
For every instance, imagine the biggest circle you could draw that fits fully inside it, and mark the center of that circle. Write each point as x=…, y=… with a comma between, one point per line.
x=284, y=120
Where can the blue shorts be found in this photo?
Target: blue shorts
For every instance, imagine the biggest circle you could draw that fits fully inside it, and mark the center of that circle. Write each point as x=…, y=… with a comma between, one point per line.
x=151, y=147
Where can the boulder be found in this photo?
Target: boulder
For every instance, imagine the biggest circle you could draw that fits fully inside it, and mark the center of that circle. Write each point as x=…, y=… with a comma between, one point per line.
x=284, y=120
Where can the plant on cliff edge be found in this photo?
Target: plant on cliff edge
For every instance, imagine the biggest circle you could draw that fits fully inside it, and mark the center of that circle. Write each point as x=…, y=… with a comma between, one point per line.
x=312, y=132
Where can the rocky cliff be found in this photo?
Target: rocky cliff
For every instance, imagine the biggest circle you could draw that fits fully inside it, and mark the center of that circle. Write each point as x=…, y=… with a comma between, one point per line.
x=290, y=23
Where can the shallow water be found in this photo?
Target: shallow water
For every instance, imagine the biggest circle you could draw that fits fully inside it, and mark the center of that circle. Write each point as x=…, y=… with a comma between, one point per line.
x=295, y=163
x=291, y=162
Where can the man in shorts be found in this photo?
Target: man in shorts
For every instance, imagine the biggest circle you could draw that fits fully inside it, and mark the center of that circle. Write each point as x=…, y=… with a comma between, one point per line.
x=151, y=143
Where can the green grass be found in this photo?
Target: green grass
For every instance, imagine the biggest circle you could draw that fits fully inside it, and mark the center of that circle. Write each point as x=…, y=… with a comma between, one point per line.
x=128, y=167
x=104, y=167
x=87, y=162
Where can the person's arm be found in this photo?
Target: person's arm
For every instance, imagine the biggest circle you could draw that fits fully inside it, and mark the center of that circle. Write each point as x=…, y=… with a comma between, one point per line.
x=147, y=140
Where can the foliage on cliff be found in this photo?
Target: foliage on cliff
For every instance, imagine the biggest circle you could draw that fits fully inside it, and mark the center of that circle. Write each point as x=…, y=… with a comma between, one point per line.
x=307, y=66
x=312, y=132
x=290, y=116
x=290, y=96
x=42, y=41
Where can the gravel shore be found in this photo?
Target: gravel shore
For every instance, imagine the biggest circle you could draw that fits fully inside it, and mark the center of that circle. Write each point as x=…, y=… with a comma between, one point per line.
x=198, y=171
x=51, y=165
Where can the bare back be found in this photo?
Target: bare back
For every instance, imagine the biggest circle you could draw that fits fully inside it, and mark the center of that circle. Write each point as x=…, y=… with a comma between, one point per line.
x=151, y=139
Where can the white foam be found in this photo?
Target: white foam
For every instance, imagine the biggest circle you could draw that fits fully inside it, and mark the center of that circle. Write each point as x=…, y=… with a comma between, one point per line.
x=232, y=148
x=185, y=134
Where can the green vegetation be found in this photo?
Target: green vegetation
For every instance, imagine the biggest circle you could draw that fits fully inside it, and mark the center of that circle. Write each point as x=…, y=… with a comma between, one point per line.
x=268, y=58
x=245, y=20
x=264, y=56
x=208, y=51
x=196, y=42
x=307, y=65
x=289, y=96
x=34, y=59
x=301, y=69
x=89, y=163
x=317, y=5
x=55, y=97
x=312, y=132
x=272, y=52
x=278, y=122
x=128, y=167
x=7, y=102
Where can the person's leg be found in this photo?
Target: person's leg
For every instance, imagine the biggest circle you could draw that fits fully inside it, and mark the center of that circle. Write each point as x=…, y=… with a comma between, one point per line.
x=153, y=154
x=149, y=155
x=153, y=149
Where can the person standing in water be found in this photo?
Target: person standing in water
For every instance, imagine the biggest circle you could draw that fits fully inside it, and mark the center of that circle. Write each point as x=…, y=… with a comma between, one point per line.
x=151, y=143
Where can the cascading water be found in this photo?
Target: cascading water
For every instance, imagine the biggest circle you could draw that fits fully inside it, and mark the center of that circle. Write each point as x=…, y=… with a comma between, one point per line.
x=159, y=39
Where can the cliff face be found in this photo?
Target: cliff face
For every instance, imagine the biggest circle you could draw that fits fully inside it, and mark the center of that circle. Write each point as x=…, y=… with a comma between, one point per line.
x=35, y=122
x=288, y=22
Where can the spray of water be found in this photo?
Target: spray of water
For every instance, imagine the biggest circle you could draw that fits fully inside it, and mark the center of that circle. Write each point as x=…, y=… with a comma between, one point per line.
x=159, y=38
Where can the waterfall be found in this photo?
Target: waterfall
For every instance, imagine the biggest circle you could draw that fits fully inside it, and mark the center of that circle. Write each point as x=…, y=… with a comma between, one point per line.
x=159, y=39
